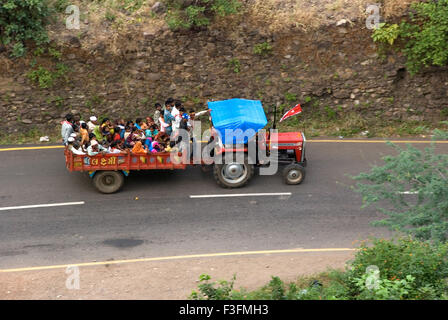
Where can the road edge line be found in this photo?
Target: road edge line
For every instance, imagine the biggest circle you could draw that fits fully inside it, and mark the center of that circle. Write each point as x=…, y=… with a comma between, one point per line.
x=193, y=256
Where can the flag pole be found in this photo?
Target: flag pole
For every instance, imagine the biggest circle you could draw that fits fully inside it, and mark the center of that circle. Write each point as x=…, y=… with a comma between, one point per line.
x=275, y=117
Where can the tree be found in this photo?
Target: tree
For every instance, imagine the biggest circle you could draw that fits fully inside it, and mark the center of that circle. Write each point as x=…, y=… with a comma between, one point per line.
x=414, y=184
x=21, y=21
x=423, y=37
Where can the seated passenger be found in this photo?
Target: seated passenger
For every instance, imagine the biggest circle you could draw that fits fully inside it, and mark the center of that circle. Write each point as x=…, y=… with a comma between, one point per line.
x=92, y=124
x=95, y=148
x=139, y=148
x=150, y=122
x=117, y=135
x=76, y=149
x=132, y=138
x=98, y=134
x=114, y=147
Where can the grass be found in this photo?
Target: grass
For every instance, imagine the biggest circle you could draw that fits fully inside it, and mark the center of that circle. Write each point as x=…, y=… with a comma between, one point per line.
x=353, y=125
x=31, y=136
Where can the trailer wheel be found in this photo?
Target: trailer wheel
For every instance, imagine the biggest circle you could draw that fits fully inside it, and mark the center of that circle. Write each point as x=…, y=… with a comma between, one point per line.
x=108, y=181
x=233, y=174
x=294, y=174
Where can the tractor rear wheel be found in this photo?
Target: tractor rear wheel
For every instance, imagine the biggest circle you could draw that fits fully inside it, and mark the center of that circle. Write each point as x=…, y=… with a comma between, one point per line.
x=233, y=174
x=294, y=174
x=108, y=181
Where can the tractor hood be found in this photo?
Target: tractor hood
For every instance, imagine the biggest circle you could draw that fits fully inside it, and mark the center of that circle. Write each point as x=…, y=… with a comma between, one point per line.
x=229, y=115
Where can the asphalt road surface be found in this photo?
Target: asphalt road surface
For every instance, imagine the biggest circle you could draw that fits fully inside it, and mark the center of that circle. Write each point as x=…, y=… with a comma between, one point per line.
x=323, y=212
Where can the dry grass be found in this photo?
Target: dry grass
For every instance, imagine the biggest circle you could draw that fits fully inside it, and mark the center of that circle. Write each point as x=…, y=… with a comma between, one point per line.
x=282, y=15
x=396, y=7
x=108, y=23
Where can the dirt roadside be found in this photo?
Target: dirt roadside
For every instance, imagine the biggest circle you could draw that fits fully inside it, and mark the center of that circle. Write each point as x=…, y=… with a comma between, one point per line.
x=162, y=280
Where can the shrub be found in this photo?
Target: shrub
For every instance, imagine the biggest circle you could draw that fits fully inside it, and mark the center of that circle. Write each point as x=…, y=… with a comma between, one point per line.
x=415, y=185
x=425, y=36
x=212, y=290
x=21, y=21
x=235, y=65
x=426, y=263
x=407, y=269
x=46, y=78
x=199, y=14
x=263, y=49
x=290, y=97
x=386, y=34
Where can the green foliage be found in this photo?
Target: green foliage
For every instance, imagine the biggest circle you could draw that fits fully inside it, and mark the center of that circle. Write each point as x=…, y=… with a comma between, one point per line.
x=290, y=97
x=387, y=34
x=331, y=113
x=440, y=134
x=406, y=270
x=212, y=290
x=57, y=101
x=60, y=5
x=424, y=212
x=55, y=53
x=21, y=21
x=263, y=49
x=110, y=16
x=199, y=14
x=46, y=78
x=235, y=65
x=425, y=36
x=385, y=289
x=130, y=5
x=426, y=263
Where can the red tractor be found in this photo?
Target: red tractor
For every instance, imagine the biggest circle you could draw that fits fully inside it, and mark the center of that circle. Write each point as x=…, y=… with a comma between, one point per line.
x=286, y=148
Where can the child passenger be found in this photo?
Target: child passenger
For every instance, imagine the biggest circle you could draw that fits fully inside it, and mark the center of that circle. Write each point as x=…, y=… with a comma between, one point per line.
x=139, y=148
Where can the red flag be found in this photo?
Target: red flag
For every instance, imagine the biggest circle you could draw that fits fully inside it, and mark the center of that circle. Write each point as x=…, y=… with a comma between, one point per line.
x=294, y=111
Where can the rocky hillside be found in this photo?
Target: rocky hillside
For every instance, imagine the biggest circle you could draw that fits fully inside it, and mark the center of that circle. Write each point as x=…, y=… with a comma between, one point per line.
x=120, y=63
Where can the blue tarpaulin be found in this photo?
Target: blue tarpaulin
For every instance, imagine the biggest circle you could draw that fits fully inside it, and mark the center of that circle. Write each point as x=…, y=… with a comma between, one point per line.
x=234, y=114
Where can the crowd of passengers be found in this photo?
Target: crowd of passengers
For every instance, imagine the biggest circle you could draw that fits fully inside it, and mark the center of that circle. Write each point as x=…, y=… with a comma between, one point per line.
x=145, y=135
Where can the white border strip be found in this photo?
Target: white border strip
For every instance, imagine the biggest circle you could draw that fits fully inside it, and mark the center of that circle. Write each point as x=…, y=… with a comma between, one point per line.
x=43, y=205
x=239, y=195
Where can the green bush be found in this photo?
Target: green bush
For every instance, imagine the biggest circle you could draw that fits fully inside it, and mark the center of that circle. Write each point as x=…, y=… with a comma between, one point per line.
x=199, y=14
x=213, y=291
x=21, y=21
x=407, y=270
x=426, y=263
x=263, y=49
x=235, y=65
x=46, y=78
x=425, y=36
x=413, y=190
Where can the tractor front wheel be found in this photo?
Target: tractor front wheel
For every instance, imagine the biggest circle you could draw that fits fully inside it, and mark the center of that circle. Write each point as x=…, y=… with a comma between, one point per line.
x=108, y=181
x=294, y=174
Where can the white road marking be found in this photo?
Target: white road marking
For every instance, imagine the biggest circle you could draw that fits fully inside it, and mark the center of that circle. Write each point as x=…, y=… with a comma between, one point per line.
x=43, y=205
x=240, y=195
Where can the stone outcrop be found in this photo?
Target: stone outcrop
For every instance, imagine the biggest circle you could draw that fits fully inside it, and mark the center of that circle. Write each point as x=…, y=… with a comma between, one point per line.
x=335, y=67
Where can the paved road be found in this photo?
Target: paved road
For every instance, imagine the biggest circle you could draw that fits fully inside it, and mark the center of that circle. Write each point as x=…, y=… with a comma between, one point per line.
x=321, y=213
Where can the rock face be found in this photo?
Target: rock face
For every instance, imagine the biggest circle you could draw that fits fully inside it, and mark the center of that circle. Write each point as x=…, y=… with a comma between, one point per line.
x=320, y=69
x=158, y=8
